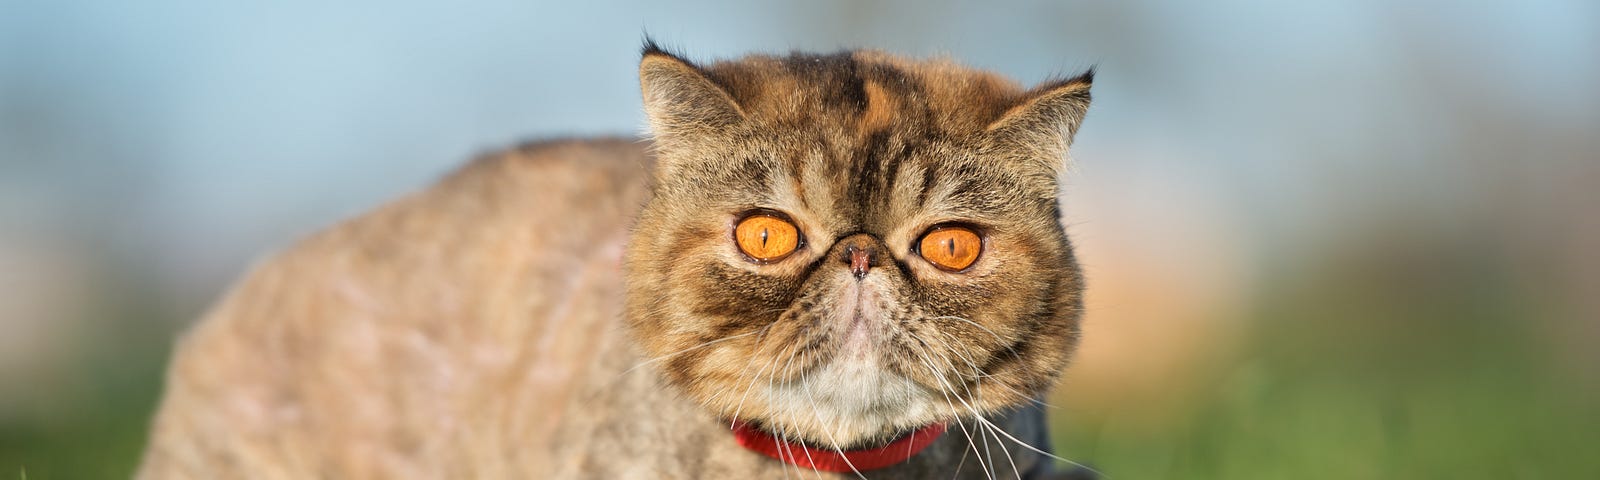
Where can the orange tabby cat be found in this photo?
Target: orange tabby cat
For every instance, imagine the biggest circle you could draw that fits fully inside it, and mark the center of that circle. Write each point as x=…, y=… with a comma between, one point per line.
x=826, y=265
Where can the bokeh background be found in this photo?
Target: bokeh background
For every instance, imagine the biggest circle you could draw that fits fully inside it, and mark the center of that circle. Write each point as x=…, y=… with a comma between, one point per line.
x=1324, y=239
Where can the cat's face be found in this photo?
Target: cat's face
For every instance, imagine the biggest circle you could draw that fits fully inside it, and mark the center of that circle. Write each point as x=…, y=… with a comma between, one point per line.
x=841, y=248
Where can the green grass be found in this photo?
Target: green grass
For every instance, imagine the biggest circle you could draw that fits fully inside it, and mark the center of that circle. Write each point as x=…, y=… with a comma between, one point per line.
x=1341, y=378
x=1271, y=423
x=90, y=421
x=1361, y=382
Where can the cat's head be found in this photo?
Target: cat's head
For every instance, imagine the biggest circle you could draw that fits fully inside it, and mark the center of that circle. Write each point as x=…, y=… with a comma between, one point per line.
x=844, y=247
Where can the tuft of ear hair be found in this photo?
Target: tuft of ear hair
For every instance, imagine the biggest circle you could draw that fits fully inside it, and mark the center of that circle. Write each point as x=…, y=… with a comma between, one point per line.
x=1047, y=117
x=679, y=98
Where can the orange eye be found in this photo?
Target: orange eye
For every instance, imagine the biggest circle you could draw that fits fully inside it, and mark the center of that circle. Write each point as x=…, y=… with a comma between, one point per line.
x=951, y=248
x=766, y=238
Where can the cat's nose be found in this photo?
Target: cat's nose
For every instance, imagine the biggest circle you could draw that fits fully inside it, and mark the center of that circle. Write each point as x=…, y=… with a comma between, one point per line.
x=861, y=253
x=860, y=260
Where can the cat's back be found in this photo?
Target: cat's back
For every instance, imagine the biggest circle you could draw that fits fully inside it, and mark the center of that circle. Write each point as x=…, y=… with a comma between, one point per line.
x=492, y=291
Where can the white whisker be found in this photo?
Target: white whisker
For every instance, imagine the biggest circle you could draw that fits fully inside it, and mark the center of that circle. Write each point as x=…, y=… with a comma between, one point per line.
x=946, y=391
x=1009, y=459
x=761, y=342
x=979, y=374
x=696, y=347
x=747, y=390
x=805, y=384
x=1047, y=454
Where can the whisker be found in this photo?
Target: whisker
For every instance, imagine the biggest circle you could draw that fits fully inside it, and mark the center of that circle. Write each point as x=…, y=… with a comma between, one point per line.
x=787, y=383
x=945, y=391
x=969, y=321
x=696, y=347
x=747, y=390
x=959, y=464
x=996, y=336
x=982, y=428
x=1006, y=451
x=813, y=461
x=783, y=448
x=979, y=374
x=783, y=434
x=1047, y=454
x=761, y=342
x=802, y=441
x=805, y=384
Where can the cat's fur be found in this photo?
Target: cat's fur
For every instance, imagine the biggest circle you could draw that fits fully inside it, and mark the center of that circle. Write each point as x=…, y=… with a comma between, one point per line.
x=481, y=328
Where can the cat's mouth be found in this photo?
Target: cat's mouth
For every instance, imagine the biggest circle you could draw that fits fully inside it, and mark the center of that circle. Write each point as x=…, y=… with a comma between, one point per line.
x=859, y=338
x=860, y=378
x=855, y=399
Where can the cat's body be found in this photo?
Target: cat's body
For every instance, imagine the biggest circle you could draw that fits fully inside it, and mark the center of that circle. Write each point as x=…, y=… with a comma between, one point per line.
x=441, y=336
x=482, y=328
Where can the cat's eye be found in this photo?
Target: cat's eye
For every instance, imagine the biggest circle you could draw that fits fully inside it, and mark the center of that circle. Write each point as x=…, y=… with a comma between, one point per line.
x=951, y=248
x=766, y=238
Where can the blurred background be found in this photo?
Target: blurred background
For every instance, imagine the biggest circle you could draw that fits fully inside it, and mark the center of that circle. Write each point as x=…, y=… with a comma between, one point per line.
x=1324, y=239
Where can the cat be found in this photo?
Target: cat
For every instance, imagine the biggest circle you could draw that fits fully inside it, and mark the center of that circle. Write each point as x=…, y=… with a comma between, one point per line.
x=845, y=265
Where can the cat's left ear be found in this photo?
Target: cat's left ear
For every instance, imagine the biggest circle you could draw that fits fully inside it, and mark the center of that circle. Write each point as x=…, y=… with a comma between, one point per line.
x=1046, y=118
x=680, y=99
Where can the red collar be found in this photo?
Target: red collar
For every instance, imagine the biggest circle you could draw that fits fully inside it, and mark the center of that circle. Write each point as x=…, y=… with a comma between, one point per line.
x=833, y=461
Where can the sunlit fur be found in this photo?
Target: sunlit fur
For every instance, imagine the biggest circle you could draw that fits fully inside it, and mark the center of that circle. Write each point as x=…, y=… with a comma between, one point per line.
x=475, y=329
x=872, y=150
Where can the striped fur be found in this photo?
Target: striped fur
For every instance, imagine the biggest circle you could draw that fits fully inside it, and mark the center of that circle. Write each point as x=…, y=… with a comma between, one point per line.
x=865, y=145
x=575, y=308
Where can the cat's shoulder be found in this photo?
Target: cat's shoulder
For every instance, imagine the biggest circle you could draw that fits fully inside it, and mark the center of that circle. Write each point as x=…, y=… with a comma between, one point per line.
x=533, y=160
x=459, y=276
x=547, y=185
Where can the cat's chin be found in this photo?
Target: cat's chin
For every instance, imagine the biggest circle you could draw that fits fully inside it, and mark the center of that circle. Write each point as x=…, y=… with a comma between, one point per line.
x=850, y=403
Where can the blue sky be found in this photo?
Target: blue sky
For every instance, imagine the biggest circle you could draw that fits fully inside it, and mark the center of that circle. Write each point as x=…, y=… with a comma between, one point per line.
x=200, y=133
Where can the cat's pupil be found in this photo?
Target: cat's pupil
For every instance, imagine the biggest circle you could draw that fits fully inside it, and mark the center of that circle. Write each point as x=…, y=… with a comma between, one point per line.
x=763, y=237
x=951, y=243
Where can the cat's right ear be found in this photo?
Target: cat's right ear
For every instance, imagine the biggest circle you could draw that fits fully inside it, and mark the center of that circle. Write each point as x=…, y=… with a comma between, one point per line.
x=1041, y=125
x=680, y=99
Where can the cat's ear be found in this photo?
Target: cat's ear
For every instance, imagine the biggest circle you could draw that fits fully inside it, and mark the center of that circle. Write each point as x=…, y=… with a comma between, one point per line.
x=680, y=99
x=1046, y=118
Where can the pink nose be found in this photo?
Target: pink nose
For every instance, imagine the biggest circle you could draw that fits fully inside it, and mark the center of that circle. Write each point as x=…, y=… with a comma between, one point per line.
x=860, y=261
